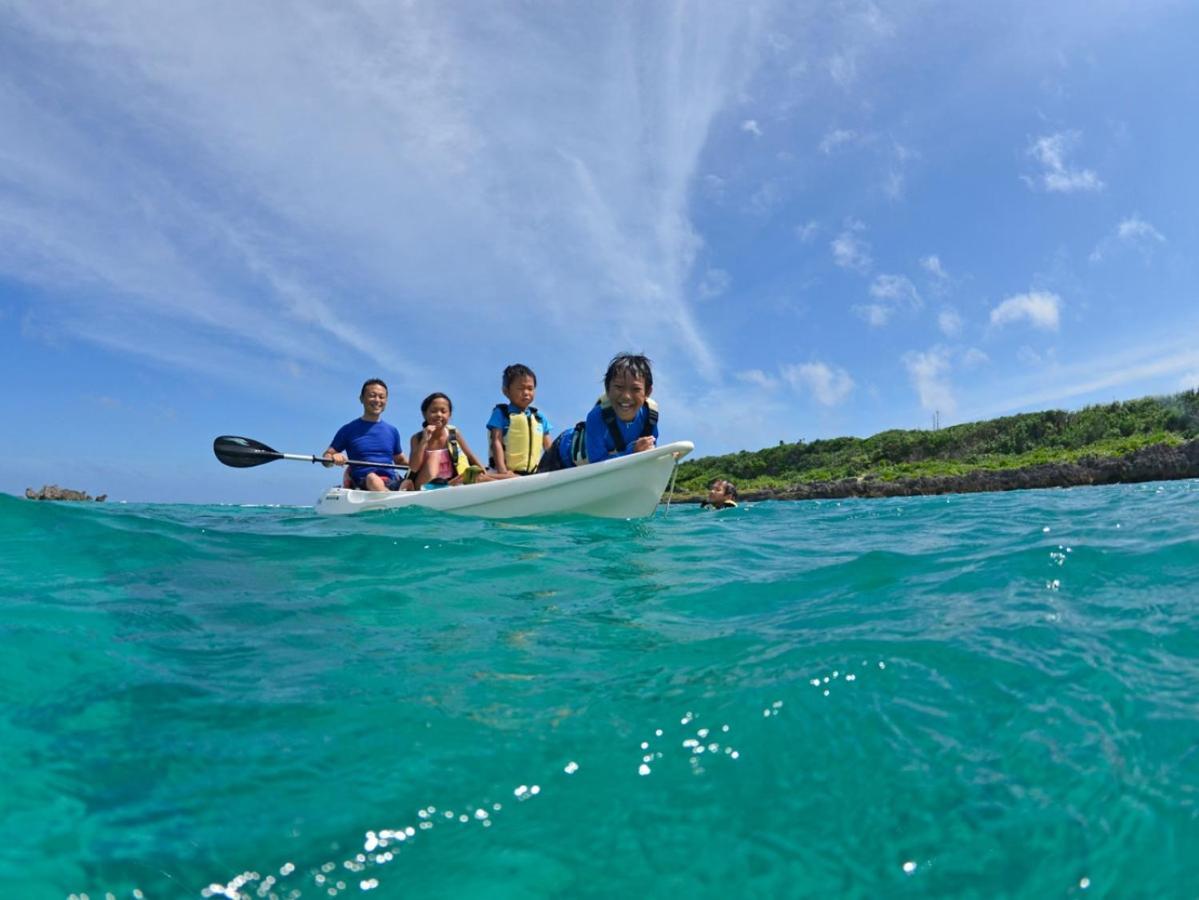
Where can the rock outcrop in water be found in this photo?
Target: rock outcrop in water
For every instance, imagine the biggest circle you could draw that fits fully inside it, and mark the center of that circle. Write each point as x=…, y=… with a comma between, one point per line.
x=1160, y=462
x=54, y=492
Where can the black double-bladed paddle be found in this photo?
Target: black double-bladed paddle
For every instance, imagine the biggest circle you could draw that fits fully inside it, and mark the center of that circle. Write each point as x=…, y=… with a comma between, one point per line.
x=243, y=453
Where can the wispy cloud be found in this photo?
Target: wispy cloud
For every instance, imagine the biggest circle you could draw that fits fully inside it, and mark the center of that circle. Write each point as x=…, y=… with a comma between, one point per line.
x=1057, y=175
x=751, y=126
x=897, y=288
x=929, y=372
x=1040, y=309
x=836, y=139
x=874, y=314
x=1189, y=381
x=829, y=385
x=1144, y=365
x=807, y=231
x=890, y=294
x=714, y=283
x=1131, y=232
x=949, y=320
x=932, y=265
x=759, y=378
x=850, y=251
x=287, y=190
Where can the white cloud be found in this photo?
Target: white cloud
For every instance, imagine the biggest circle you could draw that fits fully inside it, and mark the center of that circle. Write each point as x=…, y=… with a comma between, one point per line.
x=807, y=231
x=1029, y=357
x=843, y=69
x=829, y=385
x=851, y=252
x=1131, y=232
x=950, y=322
x=1040, y=309
x=1056, y=175
x=759, y=378
x=890, y=293
x=835, y=139
x=751, y=126
x=932, y=265
x=1189, y=381
x=282, y=190
x=929, y=375
x=714, y=283
x=973, y=358
x=898, y=288
x=1135, y=228
x=1145, y=365
x=876, y=314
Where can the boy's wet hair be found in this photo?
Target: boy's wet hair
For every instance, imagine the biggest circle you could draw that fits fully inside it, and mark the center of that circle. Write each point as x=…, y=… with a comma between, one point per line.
x=518, y=370
x=428, y=401
x=369, y=382
x=632, y=364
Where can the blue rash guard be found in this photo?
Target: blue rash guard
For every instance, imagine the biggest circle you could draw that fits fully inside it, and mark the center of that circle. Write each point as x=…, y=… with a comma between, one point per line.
x=600, y=443
x=369, y=442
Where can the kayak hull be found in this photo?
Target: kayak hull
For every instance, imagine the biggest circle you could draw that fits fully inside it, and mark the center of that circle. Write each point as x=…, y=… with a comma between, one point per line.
x=624, y=488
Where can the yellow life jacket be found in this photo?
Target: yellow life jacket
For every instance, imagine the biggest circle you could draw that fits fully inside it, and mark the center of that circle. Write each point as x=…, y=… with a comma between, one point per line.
x=457, y=458
x=524, y=439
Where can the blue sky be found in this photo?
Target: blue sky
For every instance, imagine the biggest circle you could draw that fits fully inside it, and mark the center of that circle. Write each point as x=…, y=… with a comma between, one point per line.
x=817, y=218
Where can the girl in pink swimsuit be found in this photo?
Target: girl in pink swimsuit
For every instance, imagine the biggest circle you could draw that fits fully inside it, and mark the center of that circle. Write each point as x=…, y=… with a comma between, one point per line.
x=435, y=447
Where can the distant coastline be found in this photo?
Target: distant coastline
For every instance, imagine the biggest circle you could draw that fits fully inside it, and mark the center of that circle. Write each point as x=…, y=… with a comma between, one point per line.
x=1160, y=462
x=1152, y=439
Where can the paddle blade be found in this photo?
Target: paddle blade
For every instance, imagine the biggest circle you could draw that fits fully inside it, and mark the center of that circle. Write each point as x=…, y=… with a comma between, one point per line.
x=242, y=452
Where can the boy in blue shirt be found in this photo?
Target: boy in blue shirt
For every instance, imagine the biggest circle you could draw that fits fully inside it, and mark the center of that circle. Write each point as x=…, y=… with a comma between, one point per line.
x=517, y=433
x=369, y=439
x=624, y=421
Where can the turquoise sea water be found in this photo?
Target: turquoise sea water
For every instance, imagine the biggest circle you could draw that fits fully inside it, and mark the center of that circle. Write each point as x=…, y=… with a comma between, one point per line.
x=984, y=696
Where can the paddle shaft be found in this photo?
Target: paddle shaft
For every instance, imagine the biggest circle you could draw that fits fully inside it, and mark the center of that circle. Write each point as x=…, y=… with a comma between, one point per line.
x=349, y=462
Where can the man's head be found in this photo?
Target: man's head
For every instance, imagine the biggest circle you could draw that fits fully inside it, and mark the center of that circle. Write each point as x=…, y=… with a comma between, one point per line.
x=628, y=382
x=373, y=397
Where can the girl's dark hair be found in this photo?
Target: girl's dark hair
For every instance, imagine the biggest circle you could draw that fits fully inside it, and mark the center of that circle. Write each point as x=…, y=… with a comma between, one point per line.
x=630, y=364
x=369, y=382
x=518, y=370
x=428, y=401
x=729, y=487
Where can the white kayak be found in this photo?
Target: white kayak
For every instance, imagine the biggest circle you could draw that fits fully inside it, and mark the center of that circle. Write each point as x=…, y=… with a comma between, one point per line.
x=623, y=488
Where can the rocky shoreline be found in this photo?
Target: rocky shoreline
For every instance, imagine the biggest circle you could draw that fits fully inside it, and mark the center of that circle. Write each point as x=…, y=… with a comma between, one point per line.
x=54, y=492
x=1160, y=462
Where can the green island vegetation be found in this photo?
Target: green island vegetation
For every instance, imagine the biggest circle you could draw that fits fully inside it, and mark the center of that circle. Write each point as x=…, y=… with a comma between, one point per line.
x=1011, y=442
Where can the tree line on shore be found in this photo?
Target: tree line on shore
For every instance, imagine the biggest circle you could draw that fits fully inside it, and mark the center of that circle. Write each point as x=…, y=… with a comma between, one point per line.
x=1025, y=441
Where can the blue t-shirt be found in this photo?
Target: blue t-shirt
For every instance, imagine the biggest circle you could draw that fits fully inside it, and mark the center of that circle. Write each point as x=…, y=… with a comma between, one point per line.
x=369, y=442
x=600, y=443
x=501, y=420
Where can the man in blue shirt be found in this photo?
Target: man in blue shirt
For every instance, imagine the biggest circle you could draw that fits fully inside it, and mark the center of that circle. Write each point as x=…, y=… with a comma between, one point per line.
x=369, y=439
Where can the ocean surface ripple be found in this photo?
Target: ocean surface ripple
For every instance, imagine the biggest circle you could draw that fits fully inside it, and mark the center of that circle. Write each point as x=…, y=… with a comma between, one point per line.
x=980, y=695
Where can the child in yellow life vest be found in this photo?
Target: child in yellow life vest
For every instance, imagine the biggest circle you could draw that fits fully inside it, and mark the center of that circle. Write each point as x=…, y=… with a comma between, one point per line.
x=440, y=457
x=517, y=433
